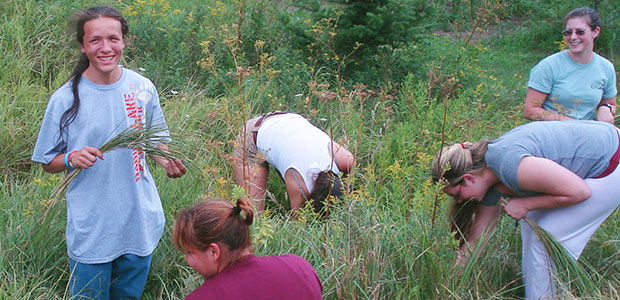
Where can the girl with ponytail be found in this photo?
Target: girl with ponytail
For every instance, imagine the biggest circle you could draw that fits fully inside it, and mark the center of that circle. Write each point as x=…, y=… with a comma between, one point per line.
x=114, y=214
x=215, y=237
x=561, y=174
x=464, y=159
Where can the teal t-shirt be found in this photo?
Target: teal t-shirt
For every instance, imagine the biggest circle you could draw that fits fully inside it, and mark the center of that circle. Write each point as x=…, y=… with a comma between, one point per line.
x=583, y=147
x=573, y=89
x=113, y=207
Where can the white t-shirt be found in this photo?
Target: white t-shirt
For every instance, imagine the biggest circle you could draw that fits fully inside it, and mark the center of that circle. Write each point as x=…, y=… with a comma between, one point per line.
x=290, y=141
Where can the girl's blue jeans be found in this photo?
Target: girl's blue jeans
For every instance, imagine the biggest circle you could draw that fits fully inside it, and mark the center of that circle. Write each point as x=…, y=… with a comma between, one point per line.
x=122, y=278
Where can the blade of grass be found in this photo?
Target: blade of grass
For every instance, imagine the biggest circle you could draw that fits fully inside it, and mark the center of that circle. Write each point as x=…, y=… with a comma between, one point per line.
x=143, y=137
x=567, y=272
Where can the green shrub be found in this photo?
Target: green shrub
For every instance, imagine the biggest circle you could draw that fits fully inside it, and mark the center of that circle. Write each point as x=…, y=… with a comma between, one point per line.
x=543, y=23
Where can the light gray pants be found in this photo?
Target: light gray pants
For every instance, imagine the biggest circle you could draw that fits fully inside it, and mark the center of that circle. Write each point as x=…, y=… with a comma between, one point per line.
x=572, y=226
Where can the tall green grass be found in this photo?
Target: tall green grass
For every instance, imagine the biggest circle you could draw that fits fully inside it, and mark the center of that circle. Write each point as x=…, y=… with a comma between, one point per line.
x=380, y=242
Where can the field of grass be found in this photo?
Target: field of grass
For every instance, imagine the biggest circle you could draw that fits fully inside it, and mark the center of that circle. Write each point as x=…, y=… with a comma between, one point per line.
x=218, y=63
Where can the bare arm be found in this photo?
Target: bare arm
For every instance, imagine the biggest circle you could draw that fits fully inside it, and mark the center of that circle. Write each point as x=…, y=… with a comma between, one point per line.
x=294, y=190
x=558, y=186
x=345, y=161
x=81, y=159
x=605, y=113
x=56, y=165
x=533, y=110
x=484, y=222
x=174, y=168
x=253, y=179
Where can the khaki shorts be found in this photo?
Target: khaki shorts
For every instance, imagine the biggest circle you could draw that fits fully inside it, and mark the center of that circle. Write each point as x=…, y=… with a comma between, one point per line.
x=245, y=145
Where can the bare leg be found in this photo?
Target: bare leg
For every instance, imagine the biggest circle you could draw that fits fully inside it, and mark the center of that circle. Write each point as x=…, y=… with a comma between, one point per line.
x=253, y=178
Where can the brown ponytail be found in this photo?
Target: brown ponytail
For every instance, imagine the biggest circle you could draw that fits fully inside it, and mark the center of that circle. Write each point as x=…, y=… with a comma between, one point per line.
x=214, y=221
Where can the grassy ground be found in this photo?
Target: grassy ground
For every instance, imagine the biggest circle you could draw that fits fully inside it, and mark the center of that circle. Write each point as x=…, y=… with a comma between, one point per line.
x=387, y=239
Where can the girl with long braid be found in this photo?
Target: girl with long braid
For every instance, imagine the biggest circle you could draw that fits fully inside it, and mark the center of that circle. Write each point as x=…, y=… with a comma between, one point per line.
x=215, y=237
x=563, y=175
x=114, y=214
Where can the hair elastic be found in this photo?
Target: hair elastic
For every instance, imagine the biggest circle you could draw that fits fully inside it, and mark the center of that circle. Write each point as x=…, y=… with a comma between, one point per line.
x=236, y=210
x=462, y=145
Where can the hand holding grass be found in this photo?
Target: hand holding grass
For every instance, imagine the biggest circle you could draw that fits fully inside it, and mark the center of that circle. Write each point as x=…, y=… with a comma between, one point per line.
x=568, y=272
x=150, y=138
x=175, y=168
x=86, y=157
x=515, y=209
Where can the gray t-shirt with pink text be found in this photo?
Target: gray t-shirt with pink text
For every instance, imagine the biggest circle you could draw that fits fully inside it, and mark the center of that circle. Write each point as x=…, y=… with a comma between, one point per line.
x=113, y=207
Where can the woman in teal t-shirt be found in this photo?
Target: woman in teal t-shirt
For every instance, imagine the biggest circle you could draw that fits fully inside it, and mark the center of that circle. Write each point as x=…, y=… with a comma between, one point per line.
x=575, y=83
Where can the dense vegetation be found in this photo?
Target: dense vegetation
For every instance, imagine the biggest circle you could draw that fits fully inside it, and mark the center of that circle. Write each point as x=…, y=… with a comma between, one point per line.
x=390, y=79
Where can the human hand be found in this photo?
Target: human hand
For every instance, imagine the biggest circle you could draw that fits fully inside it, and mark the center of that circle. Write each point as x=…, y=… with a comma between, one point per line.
x=175, y=168
x=462, y=257
x=515, y=209
x=86, y=157
x=604, y=114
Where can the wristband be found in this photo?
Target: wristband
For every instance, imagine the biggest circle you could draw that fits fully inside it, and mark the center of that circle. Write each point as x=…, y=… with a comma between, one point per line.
x=70, y=157
x=68, y=163
x=608, y=106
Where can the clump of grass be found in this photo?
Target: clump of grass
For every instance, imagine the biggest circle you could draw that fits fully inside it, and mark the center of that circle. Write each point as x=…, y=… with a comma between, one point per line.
x=143, y=137
x=568, y=273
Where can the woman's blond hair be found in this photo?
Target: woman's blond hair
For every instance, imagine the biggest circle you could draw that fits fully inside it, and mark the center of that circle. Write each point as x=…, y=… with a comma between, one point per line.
x=454, y=161
x=450, y=165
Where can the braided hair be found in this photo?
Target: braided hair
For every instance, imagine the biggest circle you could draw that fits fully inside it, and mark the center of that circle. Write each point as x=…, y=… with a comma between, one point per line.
x=80, y=19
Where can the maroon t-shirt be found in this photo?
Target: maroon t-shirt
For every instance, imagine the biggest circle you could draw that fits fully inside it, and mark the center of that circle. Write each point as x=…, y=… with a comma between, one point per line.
x=265, y=277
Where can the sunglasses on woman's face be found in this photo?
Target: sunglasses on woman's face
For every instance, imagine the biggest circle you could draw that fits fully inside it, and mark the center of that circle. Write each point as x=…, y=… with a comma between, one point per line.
x=569, y=32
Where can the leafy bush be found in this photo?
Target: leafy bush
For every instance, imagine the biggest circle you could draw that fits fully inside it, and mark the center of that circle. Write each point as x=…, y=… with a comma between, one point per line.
x=381, y=22
x=348, y=35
